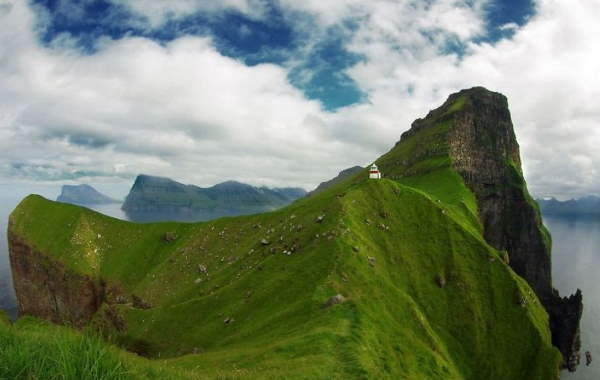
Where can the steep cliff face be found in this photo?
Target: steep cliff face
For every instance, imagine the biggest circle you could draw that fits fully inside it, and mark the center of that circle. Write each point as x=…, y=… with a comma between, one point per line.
x=472, y=133
x=45, y=288
x=484, y=150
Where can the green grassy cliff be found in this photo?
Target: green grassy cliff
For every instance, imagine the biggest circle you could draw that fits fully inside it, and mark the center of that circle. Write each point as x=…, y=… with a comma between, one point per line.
x=375, y=279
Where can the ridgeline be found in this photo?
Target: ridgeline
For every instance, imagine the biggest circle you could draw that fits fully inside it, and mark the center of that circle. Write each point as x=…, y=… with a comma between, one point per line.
x=441, y=270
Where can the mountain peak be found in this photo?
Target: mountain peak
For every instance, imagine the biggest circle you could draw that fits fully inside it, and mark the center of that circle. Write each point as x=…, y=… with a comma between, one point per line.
x=472, y=135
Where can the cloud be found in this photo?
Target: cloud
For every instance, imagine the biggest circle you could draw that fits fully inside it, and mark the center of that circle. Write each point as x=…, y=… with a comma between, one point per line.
x=159, y=12
x=182, y=109
x=509, y=26
x=547, y=70
x=179, y=109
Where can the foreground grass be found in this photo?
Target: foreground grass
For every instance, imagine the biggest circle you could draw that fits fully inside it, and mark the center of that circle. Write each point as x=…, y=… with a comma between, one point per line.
x=33, y=349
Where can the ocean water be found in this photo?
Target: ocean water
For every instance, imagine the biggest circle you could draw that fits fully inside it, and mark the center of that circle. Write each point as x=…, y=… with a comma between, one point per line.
x=7, y=293
x=576, y=260
x=575, y=264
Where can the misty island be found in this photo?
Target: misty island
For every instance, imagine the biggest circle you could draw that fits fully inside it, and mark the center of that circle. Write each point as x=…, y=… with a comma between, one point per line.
x=151, y=196
x=440, y=269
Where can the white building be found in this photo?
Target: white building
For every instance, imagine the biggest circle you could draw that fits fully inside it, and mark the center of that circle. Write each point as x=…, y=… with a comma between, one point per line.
x=374, y=173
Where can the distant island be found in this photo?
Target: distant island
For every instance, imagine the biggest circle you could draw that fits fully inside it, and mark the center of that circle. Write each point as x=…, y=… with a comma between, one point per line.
x=583, y=207
x=83, y=195
x=158, y=198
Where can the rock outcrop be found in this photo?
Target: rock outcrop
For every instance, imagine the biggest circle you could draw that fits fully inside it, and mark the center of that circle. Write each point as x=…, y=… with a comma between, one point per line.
x=47, y=289
x=474, y=131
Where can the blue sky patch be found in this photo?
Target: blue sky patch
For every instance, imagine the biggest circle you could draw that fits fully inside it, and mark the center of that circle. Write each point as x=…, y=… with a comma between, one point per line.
x=319, y=73
x=501, y=13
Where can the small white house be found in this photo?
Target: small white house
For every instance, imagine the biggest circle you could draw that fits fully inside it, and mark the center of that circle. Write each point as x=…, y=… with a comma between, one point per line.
x=374, y=173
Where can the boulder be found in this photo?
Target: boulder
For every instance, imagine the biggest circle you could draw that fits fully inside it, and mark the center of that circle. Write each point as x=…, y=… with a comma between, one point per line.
x=337, y=299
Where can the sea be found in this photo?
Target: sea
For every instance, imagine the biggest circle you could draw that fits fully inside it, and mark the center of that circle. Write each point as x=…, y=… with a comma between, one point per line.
x=575, y=264
x=576, y=260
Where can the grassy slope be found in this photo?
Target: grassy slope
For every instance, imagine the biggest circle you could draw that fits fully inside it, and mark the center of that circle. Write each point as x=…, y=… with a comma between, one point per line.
x=33, y=349
x=397, y=323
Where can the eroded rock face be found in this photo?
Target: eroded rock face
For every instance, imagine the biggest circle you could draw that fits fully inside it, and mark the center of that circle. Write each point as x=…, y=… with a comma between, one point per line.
x=484, y=151
x=473, y=132
x=565, y=314
x=47, y=289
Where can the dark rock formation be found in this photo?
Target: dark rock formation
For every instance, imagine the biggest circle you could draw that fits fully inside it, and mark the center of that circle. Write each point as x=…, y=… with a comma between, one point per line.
x=565, y=314
x=47, y=289
x=83, y=195
x=168, y=199
x=485, y=152
x=334, y=300
x=474, y=130
x=588, y=358
x=346, y=173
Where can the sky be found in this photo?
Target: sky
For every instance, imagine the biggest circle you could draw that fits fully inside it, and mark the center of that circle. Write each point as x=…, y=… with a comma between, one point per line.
x=284, y=92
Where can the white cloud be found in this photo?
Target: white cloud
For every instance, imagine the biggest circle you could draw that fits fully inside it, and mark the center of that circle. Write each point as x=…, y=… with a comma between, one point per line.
x=548, y=70
x=509, y=26
x=181, y=110
x=186, y=111
x=158, y=12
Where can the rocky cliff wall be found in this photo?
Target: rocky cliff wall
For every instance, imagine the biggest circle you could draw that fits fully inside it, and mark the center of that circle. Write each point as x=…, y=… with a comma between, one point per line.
x=47, y=289
x=484, y=151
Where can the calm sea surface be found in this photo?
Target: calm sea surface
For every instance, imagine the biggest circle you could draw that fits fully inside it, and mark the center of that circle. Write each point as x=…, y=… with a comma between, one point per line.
x=576, y=261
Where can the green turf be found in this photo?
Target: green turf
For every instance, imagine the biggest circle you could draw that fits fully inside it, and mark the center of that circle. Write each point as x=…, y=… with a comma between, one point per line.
x=397, y=323
x=426, y=297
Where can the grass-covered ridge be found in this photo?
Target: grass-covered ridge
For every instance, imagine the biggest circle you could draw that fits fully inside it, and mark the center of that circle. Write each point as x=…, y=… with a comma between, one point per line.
x=426, y=297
